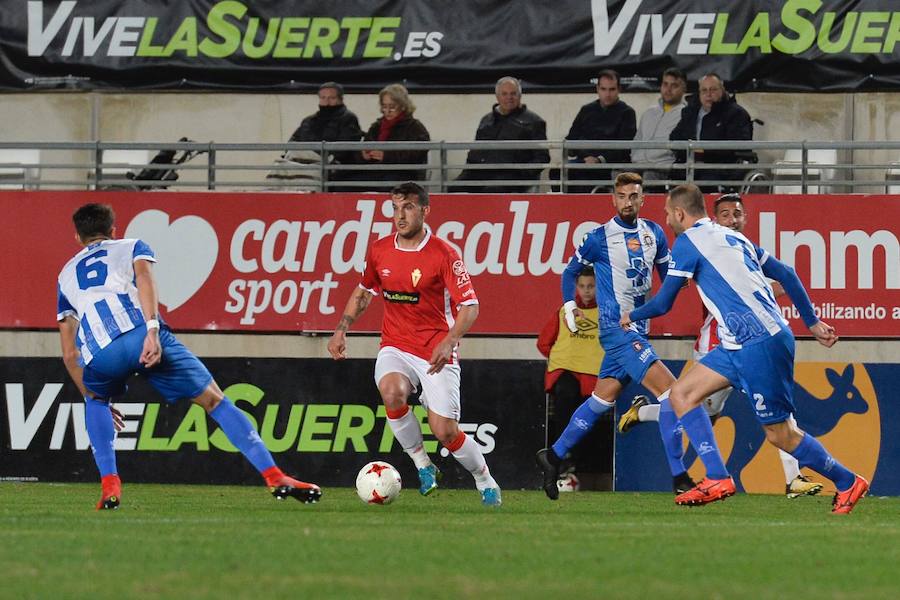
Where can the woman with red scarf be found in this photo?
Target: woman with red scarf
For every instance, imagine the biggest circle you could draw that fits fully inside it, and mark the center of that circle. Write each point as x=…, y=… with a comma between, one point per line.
x=396, y=125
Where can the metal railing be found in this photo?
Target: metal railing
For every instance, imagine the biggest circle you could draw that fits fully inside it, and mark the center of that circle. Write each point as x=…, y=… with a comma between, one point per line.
x=847, y=167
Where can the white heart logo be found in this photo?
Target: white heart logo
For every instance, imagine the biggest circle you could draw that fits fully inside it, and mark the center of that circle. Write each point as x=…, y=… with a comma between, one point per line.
x=186, y=249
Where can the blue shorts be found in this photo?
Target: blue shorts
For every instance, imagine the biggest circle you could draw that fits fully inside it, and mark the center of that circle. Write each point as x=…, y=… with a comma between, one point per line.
x=765, y=371
x=179, y=375
x=628, y=355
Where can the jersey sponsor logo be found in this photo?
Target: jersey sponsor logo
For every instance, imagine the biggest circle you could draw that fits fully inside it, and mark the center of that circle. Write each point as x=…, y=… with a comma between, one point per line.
x=634, y=245
x=401, y=297
x=416, y=276
x=462, y=274
x=385, y=273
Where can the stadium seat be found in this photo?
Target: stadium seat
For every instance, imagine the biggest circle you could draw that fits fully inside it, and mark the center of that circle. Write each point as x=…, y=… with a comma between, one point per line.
x=22, y=170
x=789, y=169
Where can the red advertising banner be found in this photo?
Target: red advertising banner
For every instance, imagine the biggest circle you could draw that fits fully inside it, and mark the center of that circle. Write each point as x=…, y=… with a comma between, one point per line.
x=288, y=262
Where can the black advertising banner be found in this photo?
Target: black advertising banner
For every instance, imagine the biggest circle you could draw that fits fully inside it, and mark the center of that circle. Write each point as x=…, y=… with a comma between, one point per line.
x=792, y=45
x=321, y=419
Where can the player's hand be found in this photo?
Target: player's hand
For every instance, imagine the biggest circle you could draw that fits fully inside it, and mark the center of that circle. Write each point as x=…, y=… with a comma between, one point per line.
x=825, y=334
x=442, y=354
x=152, y=352
x=625, y=321
x=337, y=346
x=117, y=417
x=573, y=313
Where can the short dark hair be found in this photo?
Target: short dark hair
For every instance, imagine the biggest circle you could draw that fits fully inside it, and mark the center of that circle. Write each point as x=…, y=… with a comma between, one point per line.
x=627, y=178
x=690, y=198
x=732, y=197
x=676, y=73
x=609, y=74
x=586, y=272
x=94, y=220
x=333, y=85
x=411, y=188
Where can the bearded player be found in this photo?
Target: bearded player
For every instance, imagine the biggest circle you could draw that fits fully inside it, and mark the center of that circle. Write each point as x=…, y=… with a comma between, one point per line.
x=429, y=305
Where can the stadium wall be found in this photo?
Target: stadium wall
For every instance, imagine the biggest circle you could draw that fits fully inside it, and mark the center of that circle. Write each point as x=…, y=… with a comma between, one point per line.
x=271, y=118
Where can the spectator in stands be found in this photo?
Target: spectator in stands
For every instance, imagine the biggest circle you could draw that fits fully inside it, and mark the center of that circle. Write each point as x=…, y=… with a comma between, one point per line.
x=714, y=115
x=333, y=122
x=573, y=359
x=657, y=123
x=606, y=118
x=396, y=124
x=508, y=120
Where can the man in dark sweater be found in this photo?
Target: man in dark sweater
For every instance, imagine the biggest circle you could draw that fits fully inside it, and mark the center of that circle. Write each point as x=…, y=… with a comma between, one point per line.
x=509, y=120
x=332, y=123
x=714, y=115
x=606, y=118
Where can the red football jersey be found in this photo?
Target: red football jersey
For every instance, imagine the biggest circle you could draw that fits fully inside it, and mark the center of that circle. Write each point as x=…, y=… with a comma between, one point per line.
x=422, y=290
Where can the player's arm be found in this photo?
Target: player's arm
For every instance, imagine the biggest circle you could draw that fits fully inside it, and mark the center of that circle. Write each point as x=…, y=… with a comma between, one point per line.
x=148, y=296
x=787, y=277
x=356, y=305
x=443, y=352
x=660, y=304
x=68, y=330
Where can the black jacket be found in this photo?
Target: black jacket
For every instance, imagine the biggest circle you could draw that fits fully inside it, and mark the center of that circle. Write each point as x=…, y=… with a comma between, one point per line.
x=407, y=130
x=596, y=122
x=520, y=124
x=727, y=120
x=330, y=124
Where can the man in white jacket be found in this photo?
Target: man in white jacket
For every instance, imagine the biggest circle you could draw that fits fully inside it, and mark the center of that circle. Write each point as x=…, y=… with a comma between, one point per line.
x=656, y=123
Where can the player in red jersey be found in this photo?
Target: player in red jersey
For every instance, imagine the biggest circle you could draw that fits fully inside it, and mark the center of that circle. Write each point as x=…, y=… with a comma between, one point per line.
x=429, y=305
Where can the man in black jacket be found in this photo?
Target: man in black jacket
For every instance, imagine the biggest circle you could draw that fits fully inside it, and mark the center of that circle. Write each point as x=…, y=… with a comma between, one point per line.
x=606, y=118
x=509, y=120
x=332, y=123
x=715, y=115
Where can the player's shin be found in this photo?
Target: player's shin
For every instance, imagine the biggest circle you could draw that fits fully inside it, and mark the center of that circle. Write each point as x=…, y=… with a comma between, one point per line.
x=811, y=453
x=99, y=424
x=583, y=420
x=240, y=432
x=467, y=452
x=670, y=432
x=698, y=427
x=406, y=428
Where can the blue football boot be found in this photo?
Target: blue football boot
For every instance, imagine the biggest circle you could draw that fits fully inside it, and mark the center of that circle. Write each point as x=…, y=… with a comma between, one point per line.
x=491, y=497
x=428, y=479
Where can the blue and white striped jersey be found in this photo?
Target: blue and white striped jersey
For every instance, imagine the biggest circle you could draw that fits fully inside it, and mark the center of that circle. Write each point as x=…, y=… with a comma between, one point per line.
x=728, y=269
x=623, y=257
x=97, y=287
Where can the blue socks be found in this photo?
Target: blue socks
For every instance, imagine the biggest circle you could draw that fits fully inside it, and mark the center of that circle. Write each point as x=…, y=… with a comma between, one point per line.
x=99, y=424
x=699, y=429
x=670, y=432
x=811, y=453
x=240, y=432
x=583, y=420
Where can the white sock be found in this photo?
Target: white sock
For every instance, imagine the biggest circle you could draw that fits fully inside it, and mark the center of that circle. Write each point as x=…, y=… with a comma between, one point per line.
x=409, y=433
x=470, y=457
x=790, y=465
x=648, y=413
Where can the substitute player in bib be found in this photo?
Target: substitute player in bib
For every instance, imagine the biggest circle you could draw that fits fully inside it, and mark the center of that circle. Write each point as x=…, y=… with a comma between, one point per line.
x=429, y=305
x=729, y=212
x=623, y=252
x=756, y=352
x=109, y=327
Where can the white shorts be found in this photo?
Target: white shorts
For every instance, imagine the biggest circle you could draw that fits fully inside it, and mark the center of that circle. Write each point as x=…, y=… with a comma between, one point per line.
x=440, y=391
x=715, y=404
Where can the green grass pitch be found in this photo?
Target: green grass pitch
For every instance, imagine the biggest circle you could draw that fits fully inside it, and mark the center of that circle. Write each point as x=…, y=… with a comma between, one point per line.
x=169, y=541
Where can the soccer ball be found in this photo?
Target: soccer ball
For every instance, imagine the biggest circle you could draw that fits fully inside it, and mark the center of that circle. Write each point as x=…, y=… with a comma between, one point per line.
x=378, y=483
x=568, y=483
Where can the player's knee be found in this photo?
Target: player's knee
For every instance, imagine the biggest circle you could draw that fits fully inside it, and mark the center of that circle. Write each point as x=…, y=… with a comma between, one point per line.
x=445, y=430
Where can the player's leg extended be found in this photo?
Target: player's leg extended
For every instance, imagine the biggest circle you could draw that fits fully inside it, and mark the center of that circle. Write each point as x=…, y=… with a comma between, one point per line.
x=99, y=424
x=395, y=388
x=686, y=398
x=468, y=453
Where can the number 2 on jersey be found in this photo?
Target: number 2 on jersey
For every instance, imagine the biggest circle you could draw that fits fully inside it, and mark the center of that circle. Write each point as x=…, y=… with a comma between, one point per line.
x=92, y=271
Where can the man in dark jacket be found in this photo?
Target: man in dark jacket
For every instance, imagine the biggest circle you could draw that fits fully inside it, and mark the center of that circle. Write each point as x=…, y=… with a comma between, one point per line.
x=715, y=115
x=509, y=120
x=332, y=123
x=606, y=118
